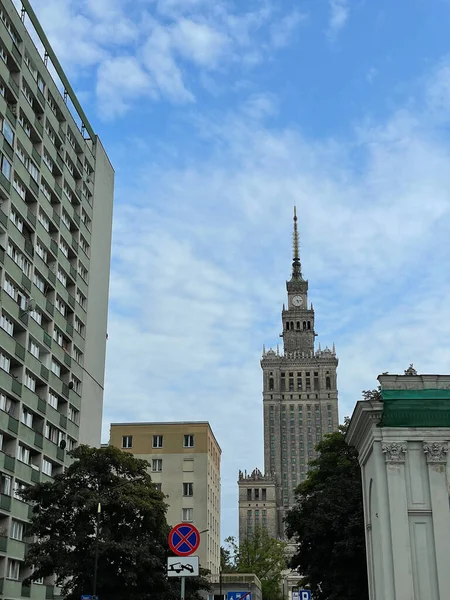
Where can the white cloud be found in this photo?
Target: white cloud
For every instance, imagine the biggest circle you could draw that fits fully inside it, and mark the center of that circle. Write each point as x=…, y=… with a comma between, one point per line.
x=199, y=42
x=283, y=30
x=133, y=80
x=159, y=60
x=339, y=13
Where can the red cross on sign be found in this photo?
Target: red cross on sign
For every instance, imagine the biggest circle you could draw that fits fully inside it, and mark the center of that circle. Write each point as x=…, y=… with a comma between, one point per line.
x=184, y=539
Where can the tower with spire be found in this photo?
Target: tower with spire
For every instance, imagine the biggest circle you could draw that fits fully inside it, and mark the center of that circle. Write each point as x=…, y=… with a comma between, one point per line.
x=300, y=398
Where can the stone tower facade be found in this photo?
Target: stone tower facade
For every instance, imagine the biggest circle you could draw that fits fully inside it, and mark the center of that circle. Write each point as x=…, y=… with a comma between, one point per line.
x=300, y=396
x=257, y=503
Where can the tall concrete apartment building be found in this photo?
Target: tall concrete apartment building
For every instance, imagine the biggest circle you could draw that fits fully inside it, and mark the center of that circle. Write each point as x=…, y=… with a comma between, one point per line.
x=185, y=464
x=300, y=404
x=56, y=197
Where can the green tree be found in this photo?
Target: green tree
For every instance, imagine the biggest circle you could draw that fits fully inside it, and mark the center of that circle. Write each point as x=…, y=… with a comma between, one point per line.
x=262, y=555
x=132, y=529
x=327, y=523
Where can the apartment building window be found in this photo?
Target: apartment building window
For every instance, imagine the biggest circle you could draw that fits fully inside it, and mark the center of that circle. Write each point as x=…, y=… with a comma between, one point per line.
x=67, y=191
x=39, y=282
x=84, y=245
x=5, y=167
x=76, y=385
x=6, y=404
x=53, y=400
x=85, y=219
x=62, y=277
x=73, y=415
x=60, y=306
x=189, y=441
x=57, y=336
x=79, y=326
x=48, y=129
x=78, y=355
x=157, y=441
x=44, y=220
x=5, y=484
x=33, y=348
x=64, y=247
x=16, y=531
x=19, y=487
x=41, y=252
x=25, y=124
x=82, y=271
x=47, y=467
x=23, y=454
x=127, y=441
x=29, y=381
x=158, y=486
x=5, y=362
x=13, y=569
x=187, y=515
x=27, y=417
x=56, y=368
x=16, y=220
x=188, y=489
x=8, y=132
x=19, y=259
x=19, y=187
x=157, y=465
x=45, y=189
x=81, y=299
x=6, y=324
x=53, y=434
x=65, y=219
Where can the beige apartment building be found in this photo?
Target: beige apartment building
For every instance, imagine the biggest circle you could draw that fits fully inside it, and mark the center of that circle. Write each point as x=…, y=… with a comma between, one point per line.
x=184, y=462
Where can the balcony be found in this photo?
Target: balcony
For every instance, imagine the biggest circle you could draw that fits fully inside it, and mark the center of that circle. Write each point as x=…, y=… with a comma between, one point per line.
x=3, y=543
x=5, y=502
x=7, y=462
x=10, y=588
x=23, y=471
x=13, y=425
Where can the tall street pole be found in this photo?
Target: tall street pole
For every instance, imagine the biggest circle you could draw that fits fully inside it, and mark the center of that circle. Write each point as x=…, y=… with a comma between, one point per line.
x=94, y=592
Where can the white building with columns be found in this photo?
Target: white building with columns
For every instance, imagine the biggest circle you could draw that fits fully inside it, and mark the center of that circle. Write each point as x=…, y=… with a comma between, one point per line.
x=403, y=444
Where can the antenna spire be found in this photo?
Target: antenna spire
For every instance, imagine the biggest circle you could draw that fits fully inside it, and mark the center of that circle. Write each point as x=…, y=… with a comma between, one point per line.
x=296, y=265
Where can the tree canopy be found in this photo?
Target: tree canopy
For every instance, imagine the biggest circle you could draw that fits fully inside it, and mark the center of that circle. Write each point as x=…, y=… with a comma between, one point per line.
x=260, y=554
x=327, y=523
x=132, y=529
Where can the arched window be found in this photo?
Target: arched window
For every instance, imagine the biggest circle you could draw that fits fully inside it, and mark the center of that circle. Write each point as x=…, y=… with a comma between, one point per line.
x=298, y=324
x=309, y=324
x=304, y=324
x=270, y=383
x=292, y=324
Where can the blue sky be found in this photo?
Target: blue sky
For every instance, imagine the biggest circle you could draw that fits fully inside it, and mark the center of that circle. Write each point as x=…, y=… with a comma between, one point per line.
x=219, y=116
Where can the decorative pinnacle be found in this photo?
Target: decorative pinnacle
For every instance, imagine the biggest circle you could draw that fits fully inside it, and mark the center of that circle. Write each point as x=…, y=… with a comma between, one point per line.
x=296, y=265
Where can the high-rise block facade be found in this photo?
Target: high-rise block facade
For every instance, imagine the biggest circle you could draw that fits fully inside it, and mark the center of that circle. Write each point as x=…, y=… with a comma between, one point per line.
x=56, y=197
x=184, y=462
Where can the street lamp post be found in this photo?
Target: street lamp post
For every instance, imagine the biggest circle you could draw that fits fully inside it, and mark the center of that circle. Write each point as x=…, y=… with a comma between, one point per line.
x=94, y=591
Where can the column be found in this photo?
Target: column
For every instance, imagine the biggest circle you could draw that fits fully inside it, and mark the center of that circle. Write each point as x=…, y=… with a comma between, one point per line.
x=436, y=456
x=395, y=455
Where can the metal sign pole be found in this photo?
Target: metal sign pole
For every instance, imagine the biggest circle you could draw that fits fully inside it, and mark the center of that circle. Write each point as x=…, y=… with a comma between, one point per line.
x=182, y=588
